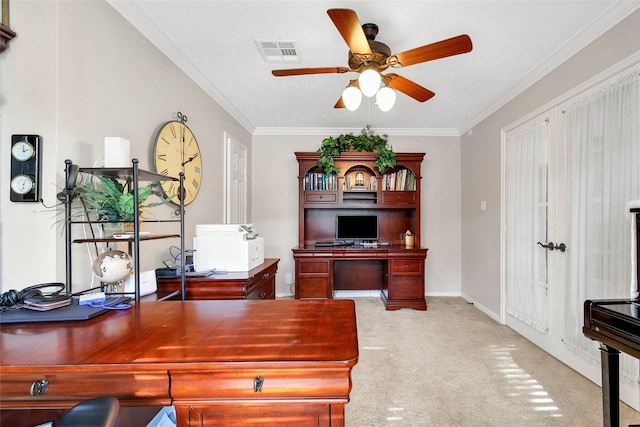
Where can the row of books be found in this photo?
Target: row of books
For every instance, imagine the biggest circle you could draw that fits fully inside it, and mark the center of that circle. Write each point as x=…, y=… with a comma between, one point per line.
x=402, y=180
x=317, y=181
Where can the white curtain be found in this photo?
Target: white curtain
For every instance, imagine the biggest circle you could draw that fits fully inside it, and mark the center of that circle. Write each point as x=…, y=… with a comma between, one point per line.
x=526, y=224
x=603, y=140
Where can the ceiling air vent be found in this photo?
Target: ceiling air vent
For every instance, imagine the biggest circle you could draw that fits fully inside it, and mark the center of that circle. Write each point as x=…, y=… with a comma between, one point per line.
x=278, y=50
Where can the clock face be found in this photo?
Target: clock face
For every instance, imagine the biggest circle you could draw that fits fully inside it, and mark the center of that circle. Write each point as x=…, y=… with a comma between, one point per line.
x=22, y=184
x=177, y=151
x=22, y=151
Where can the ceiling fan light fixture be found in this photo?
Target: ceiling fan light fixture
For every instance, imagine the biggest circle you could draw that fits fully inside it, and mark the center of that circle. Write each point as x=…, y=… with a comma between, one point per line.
x=369, y=82
x=351, y=96
x=386, y=98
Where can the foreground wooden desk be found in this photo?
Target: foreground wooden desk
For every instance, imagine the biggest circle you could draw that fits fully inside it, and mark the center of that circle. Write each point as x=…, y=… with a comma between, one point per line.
x=239, y=362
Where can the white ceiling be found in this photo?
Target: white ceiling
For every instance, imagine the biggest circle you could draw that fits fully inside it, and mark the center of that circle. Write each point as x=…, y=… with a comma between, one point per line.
x=515, y=43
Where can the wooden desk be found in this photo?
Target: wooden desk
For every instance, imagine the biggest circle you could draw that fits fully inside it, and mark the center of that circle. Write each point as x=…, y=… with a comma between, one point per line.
x=397, y=271
x=280, y=362
x=257, y=283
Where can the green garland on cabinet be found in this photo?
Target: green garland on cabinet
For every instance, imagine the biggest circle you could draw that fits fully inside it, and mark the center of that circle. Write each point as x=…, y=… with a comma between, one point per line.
x=332, y=147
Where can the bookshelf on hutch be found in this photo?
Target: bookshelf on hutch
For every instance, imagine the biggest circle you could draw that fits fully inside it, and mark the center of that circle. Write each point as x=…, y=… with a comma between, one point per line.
x=358, y=188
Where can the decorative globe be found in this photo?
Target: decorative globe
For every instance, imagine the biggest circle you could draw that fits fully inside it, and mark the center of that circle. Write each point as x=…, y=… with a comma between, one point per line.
x=113, y=266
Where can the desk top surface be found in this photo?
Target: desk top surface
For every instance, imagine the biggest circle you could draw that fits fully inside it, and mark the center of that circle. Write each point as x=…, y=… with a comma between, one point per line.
x=194, y=333
x=228, y=275
x=383, y=249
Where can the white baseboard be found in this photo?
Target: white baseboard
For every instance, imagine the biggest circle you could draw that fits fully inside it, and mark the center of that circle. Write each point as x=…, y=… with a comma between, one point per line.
x=356, y=294
x=482, y=308
x=443, y=294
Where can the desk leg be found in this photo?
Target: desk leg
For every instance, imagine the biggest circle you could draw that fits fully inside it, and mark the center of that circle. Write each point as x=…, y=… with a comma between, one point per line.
x=610, y=360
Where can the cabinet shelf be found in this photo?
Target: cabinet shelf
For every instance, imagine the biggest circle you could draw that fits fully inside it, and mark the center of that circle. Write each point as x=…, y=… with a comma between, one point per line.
x=359, y=196
x=127, y=239
x=127, y=174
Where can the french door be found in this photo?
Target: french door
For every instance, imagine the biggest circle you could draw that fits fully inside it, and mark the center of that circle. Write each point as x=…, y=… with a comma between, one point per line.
x=568, y=176
x=533, y=252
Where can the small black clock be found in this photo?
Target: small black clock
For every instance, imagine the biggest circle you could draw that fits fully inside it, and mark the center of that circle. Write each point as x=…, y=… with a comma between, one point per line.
x=25, y=168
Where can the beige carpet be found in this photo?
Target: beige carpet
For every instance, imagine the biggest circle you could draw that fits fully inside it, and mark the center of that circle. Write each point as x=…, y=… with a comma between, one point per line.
x=454, y=366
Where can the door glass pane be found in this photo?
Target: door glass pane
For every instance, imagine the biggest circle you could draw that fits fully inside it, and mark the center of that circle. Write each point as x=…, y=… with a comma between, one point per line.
x=526, y=178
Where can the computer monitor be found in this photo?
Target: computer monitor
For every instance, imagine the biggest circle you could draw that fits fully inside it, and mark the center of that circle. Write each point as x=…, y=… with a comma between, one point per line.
x=356, y=227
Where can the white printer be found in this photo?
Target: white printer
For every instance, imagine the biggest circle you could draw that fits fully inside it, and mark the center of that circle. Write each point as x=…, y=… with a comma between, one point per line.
x=227, y=247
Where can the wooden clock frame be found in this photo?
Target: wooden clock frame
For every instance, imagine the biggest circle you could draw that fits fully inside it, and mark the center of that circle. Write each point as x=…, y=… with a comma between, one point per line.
x=6, y=33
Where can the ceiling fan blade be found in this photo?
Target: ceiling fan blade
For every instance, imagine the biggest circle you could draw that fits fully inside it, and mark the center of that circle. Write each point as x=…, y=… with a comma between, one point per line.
x=408, y=87
x=302, y=71
x=349, y=27
x=442, y=49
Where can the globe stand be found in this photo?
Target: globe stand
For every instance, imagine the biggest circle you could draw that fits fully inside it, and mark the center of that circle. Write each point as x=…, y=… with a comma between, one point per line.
x=114, y=288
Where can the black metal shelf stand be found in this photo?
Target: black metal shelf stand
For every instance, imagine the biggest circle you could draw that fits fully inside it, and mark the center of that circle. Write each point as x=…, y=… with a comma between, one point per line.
x=132, y=175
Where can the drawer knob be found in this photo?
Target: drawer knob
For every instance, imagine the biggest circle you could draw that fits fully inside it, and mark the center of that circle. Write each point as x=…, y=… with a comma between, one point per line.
x=263, y=295
x=257, y=384
x=38, y=387
x=265, y=275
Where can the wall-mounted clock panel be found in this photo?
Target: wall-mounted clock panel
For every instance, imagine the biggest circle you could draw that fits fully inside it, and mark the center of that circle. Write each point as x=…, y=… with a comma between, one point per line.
x=25, y=168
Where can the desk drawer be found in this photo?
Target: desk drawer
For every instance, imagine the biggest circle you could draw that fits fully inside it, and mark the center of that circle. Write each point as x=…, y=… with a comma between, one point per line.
x=66, y=386
x=262, y=282
x=281, y=414
x=313, y=287
x=400, y=197
x=406, y=287
x=265, y=290
x=314, y=267
x=260, y=384
x=321, y=197
x=400, y=266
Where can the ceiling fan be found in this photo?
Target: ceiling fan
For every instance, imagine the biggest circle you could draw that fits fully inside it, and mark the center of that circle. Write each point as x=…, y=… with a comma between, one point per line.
x=366, y=53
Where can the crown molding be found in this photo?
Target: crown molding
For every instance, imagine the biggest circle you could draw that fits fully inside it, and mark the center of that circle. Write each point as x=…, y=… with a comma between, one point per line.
x=297, y=131
x=590, y=32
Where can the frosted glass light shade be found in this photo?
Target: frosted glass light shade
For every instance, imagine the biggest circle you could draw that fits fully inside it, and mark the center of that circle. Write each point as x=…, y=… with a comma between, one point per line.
x=386, y=98
x=351, y=97
x=369, y=82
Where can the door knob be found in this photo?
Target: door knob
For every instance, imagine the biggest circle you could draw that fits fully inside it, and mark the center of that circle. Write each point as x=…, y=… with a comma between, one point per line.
x=547, y=246
x=561, y=247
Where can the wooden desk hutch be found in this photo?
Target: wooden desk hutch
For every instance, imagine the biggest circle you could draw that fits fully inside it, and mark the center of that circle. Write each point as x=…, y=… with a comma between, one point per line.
x=396, y=270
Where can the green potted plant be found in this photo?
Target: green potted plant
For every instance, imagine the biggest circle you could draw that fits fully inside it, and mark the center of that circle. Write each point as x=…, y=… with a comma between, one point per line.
x=113, y=202
x=332, y=147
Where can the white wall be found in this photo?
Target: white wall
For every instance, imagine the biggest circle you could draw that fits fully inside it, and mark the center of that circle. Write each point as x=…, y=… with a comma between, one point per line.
x=75, y=73
x=275, y=203
x=481, y=158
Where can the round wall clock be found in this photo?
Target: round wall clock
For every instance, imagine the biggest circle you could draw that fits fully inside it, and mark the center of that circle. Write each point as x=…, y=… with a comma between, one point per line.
x=23, y=151
x=176, y=151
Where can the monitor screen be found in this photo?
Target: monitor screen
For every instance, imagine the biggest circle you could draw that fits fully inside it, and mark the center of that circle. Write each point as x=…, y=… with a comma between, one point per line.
x=357, y=227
